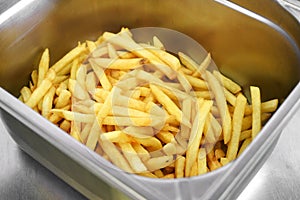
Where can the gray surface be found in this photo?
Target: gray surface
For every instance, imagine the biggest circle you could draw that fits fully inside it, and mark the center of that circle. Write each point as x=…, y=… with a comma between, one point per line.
x=21, y=177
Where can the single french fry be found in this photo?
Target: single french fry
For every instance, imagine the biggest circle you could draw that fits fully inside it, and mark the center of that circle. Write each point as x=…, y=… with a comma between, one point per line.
x=247, y=121
x=245, y=135
x=186, y=70
x=204, y=65
x=216, y=126
x=256, y=110
x=25, y=93
x=139, y=131
x=196, y=82
x=128, y=112
x=116, y=137
x=165, y=136
x=135, y=94
x=159, y=173
x=65, y=125
x=227, y=83
x=224, y=161
x=74, y=116
x=132, y=158
x=244, y=146
x=101, y=75
x=169, y=149
x=266, y=107
x=34, y=78
x=122, y=64
x=169, y=105
x=166, y=57
x=91, y=45
x=65, y=71
x=63, y=99
x=54, y=118
x=194, y=169
x=85, y=132
x=184, y=82
x=74, y=132
x=112, y=53
x=129, y=102
x=48, y=102
x=159, y=162
x=194, y=142
x=93, y=137
x=39, y=93
x=81, y=75
x=69, y=57
x=203, y=94
x=100, y=51
x=237, y=127
x=74, y=67
x=222, y=105
x=230, y=97
x=208, y=130
x=125, y=54
x=202, y=163
x=179, y=167
x=90, y=82
x=59, y=79
x=125, y=121
x=157, y=43
x=43, y=66
x=152, y=143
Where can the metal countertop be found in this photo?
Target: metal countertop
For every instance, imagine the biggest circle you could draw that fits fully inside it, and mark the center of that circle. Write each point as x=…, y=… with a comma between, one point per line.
x=21, y=177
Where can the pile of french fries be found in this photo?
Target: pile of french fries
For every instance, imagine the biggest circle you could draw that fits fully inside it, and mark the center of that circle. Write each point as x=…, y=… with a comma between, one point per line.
x=145, y=110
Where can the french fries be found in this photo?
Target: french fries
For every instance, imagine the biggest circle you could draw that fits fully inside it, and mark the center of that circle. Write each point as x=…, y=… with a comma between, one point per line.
x=145, y=110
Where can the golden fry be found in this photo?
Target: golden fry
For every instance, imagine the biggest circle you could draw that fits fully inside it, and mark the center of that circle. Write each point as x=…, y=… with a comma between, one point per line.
x=179, y=167
x=192, y=151
x=202, y=166
x=43, y=66
x=69, y=57
x=237, y=127
x=256, y=110
x=227, y=83
x=222, y=105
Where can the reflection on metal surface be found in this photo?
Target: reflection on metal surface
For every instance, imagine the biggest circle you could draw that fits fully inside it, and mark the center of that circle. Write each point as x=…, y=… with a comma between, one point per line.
x=14, y=9
x=279, y=178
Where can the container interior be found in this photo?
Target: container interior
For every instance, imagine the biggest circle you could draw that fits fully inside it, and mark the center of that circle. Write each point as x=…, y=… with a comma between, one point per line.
x=246, y=50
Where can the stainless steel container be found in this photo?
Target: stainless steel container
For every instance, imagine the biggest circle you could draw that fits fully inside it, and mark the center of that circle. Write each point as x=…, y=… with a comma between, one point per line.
x=258, y=49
